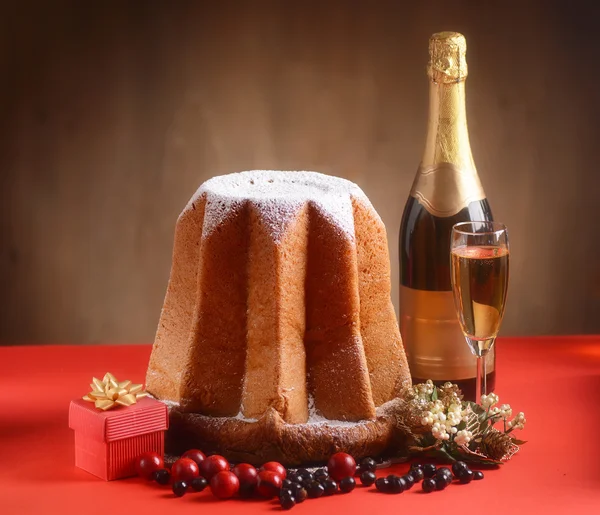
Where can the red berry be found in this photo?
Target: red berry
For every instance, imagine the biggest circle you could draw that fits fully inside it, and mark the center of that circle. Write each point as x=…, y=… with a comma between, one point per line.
x=341, y=465
x=184, y=469
x=248, y=477
x=147, y=463
x=194, y=454
x=276, y=467
x=213, y=465
x=269, y=484
x=224, y=484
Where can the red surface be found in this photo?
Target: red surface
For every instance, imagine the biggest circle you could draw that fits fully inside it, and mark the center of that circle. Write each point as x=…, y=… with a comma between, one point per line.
x=555, y=381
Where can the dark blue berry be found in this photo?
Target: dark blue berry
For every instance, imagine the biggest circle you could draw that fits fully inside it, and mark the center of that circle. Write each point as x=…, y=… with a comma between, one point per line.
x=417, y=474
x=465, y=476
x=305, y=479
x=286, y=491
x=367, y=478
x=397, y=485
x=441, y=482
x=198, y=484
x=429, y=470
x=477, y=475
x=457, y=466
x=296, y=488
x=428, y=485
x=410, y=480
x=161, y=476
x=300, y=494
x=315, y=490
x=347, y=485
x=179, y=488
x=321, y=473
x=368, y=465
x=287, y=502
x=382, y=485
x=444, y=473
x=330, y=487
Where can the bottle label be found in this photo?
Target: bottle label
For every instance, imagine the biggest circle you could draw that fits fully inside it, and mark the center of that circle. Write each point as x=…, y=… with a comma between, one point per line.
x=434, y=342
x=443, y=189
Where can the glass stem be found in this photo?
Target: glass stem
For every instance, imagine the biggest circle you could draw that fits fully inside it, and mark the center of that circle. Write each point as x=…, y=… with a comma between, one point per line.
x=481, y=385
x=484, y=375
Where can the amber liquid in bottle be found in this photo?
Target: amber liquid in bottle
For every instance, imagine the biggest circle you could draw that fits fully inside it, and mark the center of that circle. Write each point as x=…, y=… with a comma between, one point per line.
x=446, y=191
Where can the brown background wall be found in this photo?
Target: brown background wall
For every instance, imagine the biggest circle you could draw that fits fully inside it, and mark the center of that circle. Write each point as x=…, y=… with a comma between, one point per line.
x=112, y=114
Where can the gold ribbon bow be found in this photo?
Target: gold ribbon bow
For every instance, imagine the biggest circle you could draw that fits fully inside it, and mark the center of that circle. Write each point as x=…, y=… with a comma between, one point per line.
x=109, y=392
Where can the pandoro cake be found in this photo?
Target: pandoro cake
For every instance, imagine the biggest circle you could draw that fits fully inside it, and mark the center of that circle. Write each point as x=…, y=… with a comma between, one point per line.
x=277, y=338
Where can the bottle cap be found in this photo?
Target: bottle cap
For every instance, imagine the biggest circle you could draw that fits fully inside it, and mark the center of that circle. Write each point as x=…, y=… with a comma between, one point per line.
x=447, y=57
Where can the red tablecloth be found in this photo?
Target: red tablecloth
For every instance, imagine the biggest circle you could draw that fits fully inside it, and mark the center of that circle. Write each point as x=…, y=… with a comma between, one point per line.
x=554, y=380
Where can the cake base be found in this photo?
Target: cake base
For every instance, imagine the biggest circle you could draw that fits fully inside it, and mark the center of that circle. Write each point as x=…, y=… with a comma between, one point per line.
x=271, y=439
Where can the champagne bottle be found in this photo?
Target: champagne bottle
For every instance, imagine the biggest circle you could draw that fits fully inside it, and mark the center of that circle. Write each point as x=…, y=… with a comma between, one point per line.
x=446, y=190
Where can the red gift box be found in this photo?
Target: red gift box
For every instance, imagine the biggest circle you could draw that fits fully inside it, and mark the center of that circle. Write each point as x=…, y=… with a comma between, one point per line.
x=107, y=442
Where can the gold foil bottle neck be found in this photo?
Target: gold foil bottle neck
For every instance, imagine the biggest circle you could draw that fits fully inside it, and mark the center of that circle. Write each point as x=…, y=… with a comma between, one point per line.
x=447, y=180
x=447, y=57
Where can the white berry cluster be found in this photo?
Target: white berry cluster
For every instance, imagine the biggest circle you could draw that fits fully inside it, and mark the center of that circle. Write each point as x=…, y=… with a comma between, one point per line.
x=518, y=422
x=424, y=390
x=504, y=411
x=487, y=401
x=443, y=421
x=463, y=437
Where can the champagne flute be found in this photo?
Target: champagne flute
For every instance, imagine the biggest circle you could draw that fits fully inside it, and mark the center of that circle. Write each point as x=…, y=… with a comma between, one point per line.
x=479, y=271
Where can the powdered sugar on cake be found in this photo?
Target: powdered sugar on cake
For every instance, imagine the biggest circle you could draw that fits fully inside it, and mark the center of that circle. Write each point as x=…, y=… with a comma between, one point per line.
x=170, y=404
x=314, y=417
x=240, y=416
x=278, y=196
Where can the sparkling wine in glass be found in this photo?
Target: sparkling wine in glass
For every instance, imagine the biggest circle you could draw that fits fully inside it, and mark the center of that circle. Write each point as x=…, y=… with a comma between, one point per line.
x=479, y=271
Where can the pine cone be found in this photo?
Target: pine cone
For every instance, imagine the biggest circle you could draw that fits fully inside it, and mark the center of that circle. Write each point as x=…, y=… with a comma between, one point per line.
x=496, y=444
